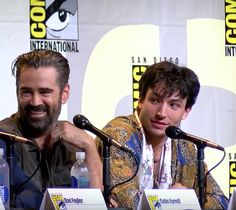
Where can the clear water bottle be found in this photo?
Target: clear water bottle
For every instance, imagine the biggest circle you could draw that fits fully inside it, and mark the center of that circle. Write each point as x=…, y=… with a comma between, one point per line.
x=79, y=172
x=4, y=181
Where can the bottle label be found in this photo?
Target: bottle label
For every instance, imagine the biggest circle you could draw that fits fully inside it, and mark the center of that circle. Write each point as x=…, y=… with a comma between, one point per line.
x=83, y=182
x=74, y=182
x=4, y=193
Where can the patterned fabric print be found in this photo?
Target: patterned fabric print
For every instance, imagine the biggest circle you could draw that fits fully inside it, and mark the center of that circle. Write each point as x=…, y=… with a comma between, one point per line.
x=125, y=130
x=135, y=145
x=183, y=165
x=119, y=166
x=146, y=167
x=184, y=170
x=146, y=170
x=166, y=178
x=187, y=165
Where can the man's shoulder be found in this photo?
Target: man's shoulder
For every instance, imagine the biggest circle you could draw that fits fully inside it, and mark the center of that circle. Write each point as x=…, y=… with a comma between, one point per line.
x=8, y=124
x=124, y=120
x=123, y=128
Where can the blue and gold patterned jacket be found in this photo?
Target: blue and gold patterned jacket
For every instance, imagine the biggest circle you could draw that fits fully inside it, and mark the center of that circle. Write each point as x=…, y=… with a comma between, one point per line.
x=126, y=130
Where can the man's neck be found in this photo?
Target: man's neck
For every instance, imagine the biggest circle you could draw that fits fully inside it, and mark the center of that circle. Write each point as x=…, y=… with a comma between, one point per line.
x=156, y=142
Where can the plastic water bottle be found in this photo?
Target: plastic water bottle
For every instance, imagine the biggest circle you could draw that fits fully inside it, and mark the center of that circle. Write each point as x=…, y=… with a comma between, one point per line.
x=4, y=181
x=79, y=172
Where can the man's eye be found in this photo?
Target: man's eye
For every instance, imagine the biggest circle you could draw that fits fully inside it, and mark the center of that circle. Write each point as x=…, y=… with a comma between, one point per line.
x=174, y=105
x=25, y=93
x=154, y=100
x=45, y=93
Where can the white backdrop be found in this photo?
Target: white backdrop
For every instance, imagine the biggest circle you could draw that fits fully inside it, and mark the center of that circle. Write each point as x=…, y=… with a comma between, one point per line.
x=113, y=36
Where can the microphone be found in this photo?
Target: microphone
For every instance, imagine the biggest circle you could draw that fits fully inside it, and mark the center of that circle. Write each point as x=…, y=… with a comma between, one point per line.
x=82, y=122
x=14, y=138
x=176, y=133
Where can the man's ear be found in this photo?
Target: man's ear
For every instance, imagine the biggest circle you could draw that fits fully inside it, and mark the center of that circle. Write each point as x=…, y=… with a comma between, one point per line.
x=186, y=113
x=140, y=103
x=65, y=94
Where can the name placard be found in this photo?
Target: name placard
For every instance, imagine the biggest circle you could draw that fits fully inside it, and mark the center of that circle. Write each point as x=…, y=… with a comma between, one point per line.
x=169, y=199
x=73, y=198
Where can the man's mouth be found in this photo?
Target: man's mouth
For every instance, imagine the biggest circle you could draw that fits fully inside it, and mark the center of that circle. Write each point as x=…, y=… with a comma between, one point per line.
x=158, y=124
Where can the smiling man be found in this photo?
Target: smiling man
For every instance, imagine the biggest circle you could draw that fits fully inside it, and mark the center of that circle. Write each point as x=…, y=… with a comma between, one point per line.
x=167, y=93
x=42, y=87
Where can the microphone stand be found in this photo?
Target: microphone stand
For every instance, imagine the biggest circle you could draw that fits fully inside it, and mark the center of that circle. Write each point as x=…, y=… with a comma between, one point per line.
x=106, y=168
x=201, y=175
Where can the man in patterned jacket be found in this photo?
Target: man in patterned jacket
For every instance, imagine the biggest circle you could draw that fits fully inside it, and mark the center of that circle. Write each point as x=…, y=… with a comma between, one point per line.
x=167, y=94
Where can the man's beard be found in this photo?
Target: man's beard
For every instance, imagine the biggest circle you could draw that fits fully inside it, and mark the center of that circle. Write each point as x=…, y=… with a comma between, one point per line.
x=33, y=128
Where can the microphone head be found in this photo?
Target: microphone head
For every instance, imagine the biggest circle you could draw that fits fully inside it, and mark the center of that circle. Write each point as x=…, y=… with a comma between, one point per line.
x=174, y=132
x=81, y=121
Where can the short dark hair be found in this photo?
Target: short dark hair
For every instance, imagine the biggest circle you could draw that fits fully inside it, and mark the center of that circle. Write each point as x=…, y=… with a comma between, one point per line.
x=169, y=78
x=42, y=58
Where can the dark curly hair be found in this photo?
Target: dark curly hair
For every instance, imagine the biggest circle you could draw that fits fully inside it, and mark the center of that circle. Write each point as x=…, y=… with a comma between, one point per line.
x=168, y=78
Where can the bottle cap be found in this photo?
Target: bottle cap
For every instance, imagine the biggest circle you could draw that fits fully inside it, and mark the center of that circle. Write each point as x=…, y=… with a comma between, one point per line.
x=80, y=155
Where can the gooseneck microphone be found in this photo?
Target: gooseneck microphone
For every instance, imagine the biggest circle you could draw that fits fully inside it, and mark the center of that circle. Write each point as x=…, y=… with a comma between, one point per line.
x=82, y=122
x=176, y=133
x=14, y=138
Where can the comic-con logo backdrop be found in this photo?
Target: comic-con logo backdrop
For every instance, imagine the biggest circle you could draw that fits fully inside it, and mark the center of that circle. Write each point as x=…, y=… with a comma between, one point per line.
x=54, y=25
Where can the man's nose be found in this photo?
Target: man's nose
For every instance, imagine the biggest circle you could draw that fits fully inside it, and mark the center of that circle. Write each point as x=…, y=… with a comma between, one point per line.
x=36, y=100
x=161, y=111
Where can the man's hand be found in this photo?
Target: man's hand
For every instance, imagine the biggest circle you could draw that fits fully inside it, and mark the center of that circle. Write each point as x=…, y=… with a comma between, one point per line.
x=68, y=132
x=178, y=186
